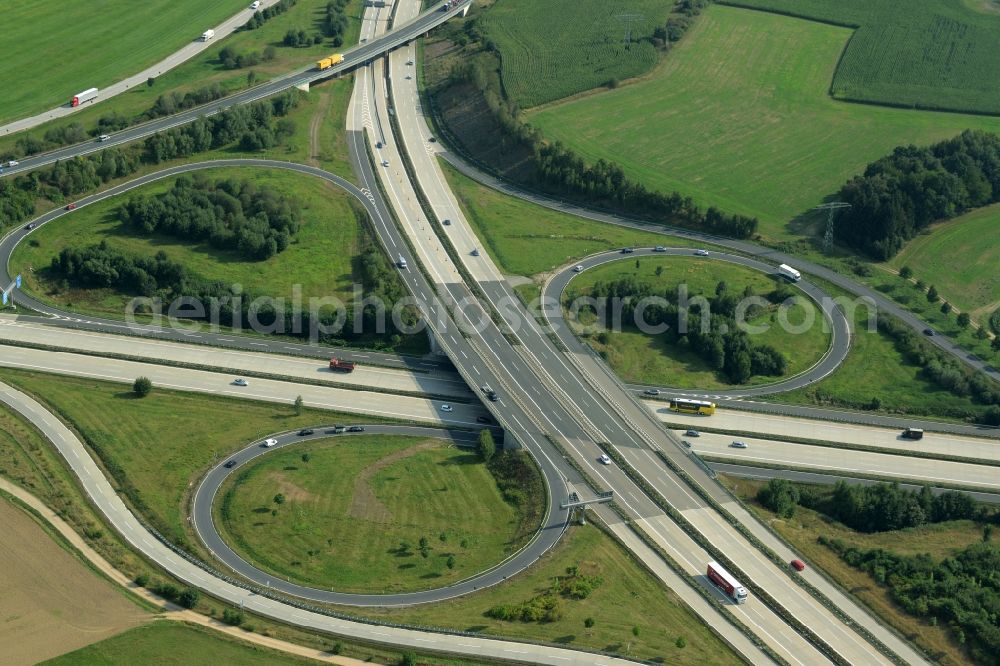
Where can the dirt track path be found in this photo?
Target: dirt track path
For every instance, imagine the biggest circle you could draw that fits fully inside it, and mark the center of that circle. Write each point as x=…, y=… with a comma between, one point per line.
x=314, y=124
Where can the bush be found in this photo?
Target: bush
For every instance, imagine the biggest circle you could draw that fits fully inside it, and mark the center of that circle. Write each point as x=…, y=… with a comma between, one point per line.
x=189, y=598
x=487, y=447
x=232, y=617
x=780, y=496
x=142, y=386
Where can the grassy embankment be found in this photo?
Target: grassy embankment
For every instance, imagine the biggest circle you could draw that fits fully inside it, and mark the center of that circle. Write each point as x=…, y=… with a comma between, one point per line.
x=348, y=506
x=939, y=540
x=647, y=359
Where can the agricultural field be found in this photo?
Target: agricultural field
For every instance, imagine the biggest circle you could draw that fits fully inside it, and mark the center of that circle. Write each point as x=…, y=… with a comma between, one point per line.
x=138, y=442
x=319, y=259
x=627, y=596
x=52, y=602
x=529, y=240
x=938, y=540
x=175, y=643
x=955, y=257
x=56, y=49
x=742, y=120
x=348, y=505
x=647, y=359
x=541, y=64
x=935, y=54
x=206, y=69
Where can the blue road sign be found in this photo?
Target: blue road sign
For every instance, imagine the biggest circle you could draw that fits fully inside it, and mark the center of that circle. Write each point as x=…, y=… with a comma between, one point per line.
x=17, y=281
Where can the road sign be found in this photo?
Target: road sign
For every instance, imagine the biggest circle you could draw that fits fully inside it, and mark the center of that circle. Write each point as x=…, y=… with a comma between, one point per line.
x=17, y=281
x=5, y=298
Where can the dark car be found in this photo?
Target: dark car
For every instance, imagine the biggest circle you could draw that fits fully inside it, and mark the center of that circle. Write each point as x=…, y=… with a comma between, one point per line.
x=483, y=419
x=652, y=391
x=928, y=331
x=356, y=429
x=305, y=431
x=432, y=139
x=492, y=395
x=230, y=464
x=627, y=250
x=70, y=206
x=31, y=225
x=692, y=433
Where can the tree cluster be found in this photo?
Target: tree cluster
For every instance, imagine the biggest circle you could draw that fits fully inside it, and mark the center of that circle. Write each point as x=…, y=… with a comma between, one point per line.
x=780, y=496
x=335, y=21
x=261, y=16
x=231, y=58
x=886, y=506
x=301, y=38
x=961, y=592
x=547, y=606
x=101, y=266
x=15, y=203
x=676, y=26
x=902, y=193
x=257, y=222
x=172, y=102
x=712, y=333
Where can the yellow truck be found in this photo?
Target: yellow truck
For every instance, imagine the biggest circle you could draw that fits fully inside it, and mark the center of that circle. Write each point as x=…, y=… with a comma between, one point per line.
x=327, y=63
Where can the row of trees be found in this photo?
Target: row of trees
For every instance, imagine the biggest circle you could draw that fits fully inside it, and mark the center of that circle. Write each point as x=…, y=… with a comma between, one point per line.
x=261, y=16
x=711, y=332
x=335, y=21
x=172, y=102
x=902, y=193
x=676, y=26
x=561, y=171
x=961, y=591
x=257, y=222
x=231, y=58
x=101, y=266
x=301, y=38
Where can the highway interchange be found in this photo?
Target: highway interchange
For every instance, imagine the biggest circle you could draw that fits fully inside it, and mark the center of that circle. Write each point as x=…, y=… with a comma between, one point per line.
x=562, y=406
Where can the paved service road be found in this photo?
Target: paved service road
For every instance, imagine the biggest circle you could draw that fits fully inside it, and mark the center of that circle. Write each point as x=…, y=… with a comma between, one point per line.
x=830, y=317
x=107, y=501
x=204, y=525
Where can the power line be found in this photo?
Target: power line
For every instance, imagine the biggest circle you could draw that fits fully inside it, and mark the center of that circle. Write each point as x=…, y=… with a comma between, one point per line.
x=629, y=20
x=831, y=208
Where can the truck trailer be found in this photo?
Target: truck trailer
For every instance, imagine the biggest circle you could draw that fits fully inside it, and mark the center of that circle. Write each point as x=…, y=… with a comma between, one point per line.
x=340, y=365
x=789, y=272
x=86, y=96
x=725, y=582
x=207, y=35
x=327, y=63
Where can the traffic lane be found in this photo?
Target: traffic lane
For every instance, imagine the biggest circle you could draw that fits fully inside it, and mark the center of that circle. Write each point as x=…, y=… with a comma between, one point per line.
x=815, y=478
x=352, y=58
x=832, y=318
x=372, y=377
x=939, y=443
x=268, y=390
x=848, y=461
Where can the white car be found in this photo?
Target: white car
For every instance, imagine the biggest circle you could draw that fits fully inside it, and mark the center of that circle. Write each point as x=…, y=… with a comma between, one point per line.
x=385, y=163
x=11, y=163
x=239, y=382
x=103, y=138
x=605, y=459
x=268, y=443
x=659, y=248
x=409, y=62
x=578, y=268
x=447, y=408
x=701, y=253
x=737, y=444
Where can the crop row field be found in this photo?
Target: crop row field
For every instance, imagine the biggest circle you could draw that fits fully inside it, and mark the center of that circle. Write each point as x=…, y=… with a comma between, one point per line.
x=53, y=49
x=739, y=117
x=550, y=50
x=942, y=55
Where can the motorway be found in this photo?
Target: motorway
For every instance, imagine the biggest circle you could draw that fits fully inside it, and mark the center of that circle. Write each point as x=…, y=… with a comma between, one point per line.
x=204, y=525
x=831, y=317
x=564, y=385
x=353, y=58
x=180, y=56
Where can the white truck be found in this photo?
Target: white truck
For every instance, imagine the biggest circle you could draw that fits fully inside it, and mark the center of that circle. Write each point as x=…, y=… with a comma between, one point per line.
x=789, y=272
x=729, y=586
x=207, y=35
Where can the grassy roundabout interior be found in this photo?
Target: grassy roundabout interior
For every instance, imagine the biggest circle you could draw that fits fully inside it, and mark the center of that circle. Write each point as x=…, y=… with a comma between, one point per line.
x=320, y=256
x=647, y=359
x=348, y=506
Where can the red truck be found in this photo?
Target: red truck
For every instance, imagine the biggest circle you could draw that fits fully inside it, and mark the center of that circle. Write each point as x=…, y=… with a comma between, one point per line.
x=725, y=582
x=340, y=365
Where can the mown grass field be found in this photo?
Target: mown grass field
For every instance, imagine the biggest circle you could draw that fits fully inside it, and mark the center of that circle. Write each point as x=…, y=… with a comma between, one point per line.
x=57, y=49
x=526, y=239
x=206, y=69
x=647, y=359
x=167, y=642
x=550, y=50
x=628, y=597
x=932, y=55
x=939, y=540
x=875, y=369
x=161, y=443
x=349, y=507
x=960, y=257
x=739, y=116
x=319, y=258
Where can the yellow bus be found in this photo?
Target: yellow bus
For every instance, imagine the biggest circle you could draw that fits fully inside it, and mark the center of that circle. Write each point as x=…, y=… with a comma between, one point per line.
x=686, y=406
